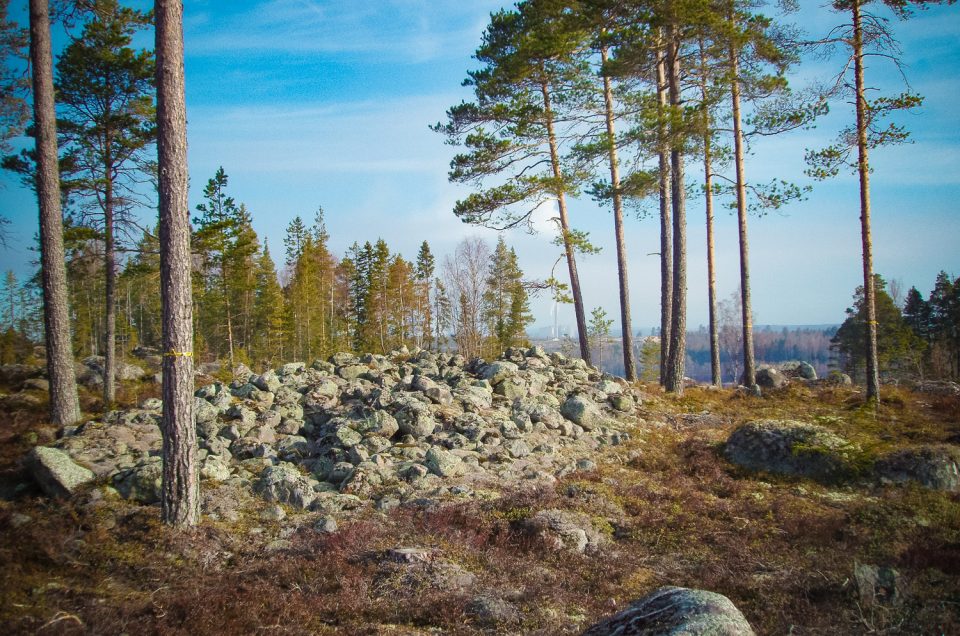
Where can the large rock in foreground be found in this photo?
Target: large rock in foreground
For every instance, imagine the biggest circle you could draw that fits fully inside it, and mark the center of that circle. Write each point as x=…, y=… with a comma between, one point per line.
x=787, y=447
x=57, y=474
x=676, y=611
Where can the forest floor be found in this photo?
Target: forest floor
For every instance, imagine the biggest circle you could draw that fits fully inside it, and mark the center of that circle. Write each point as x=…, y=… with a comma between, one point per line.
x=783, y=550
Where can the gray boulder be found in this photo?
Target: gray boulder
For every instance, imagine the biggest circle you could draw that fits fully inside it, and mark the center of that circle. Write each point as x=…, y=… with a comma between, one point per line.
x=676, y=611
x=56, y=472
x=583, y=411
x=283, y=483
x=142, y=483
x=792, y=448
x=770, y=378
x=564, y=530
x=936, y=467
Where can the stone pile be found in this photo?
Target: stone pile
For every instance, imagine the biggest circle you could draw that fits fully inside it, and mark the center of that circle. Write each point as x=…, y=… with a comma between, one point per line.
x=389, y=430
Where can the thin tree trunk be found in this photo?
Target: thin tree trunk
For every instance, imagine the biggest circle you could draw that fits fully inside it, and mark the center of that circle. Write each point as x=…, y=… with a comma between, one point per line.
x=678, y=340
x=64, y=404
x=746, y=312
x=863, y=168
x=629, y=365
x=666, y=216
x=565, y=231
x=110, y=293
x=715, y=377
x=180, y=501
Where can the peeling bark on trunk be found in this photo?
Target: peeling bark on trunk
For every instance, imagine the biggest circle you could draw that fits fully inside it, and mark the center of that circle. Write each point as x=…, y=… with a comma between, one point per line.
x=180, y=500
x=629, y=364
x=863, y=168
x=64, y=404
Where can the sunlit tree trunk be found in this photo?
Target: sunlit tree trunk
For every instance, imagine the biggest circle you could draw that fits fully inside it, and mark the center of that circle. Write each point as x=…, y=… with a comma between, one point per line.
x=565, y=231
x=863, y=168
x=666, y=216
x=180, y=501
x=629, y=365
x=749, y=366
x=64, y=404
x=715, y=377
x=678, y=342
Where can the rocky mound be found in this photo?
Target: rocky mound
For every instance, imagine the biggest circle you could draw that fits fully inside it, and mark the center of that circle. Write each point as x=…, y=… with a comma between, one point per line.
x=386, y=429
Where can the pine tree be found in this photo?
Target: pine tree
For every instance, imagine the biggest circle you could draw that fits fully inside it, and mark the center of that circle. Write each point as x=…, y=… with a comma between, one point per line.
x=105, y=91
x=865, y=35
x=14, y=112
x=515, y=129
x=180, y=493
x=64, y=403
x=599, y=329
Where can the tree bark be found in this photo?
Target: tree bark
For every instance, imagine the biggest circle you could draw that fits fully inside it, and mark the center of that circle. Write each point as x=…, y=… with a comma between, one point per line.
x=749, y=364
x=565, y=231
x=666, y=216
x=863, y=168
x=64, y=403
x=715, y=377
x=110, y=285
x=678, y=340
x=629, y=364
x=180, y=501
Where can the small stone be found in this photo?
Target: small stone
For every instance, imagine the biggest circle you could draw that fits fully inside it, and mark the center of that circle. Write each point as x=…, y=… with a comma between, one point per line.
x=273, y=513
x=326, y=525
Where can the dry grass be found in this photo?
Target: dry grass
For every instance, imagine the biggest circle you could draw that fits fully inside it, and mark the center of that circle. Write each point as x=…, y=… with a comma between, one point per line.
x=675, y=512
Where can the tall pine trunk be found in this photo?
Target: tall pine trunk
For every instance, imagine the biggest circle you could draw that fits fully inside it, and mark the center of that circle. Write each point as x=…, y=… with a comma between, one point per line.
x=749, y=365
x=678, y=326
x=666, y=216
x=110, y=287
x=64, y=404
x=568, y=247
x=629, y=365
x=180, y=500
x=863, y=168
x=715, y=378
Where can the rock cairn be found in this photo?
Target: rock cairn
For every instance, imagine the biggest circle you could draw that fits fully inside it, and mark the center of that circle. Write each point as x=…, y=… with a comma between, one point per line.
x=387, y=430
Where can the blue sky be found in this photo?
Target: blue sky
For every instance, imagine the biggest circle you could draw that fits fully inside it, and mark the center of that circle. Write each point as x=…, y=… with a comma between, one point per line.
x=308, y=103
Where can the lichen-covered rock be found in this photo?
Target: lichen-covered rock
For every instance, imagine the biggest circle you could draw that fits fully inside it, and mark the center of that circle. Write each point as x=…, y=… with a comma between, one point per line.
x=564, y=530
x=770, y=378
x=142, y=483
x=582, y=411
x=56, y=473
x=936, y=467
x=676, y=611
x=498, y=371
x=283, y=483
x=443, y=463
x=792, y=448
x=492, y=612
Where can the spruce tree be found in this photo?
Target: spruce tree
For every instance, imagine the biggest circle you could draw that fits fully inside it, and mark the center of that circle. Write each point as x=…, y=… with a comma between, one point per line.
x=424, y=271
x=268, y=311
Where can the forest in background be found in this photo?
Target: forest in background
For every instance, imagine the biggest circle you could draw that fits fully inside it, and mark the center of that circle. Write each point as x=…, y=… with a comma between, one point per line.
x=553, y=82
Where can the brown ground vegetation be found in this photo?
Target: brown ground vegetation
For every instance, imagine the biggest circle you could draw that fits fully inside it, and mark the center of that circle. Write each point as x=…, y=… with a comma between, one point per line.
x=675, y=511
